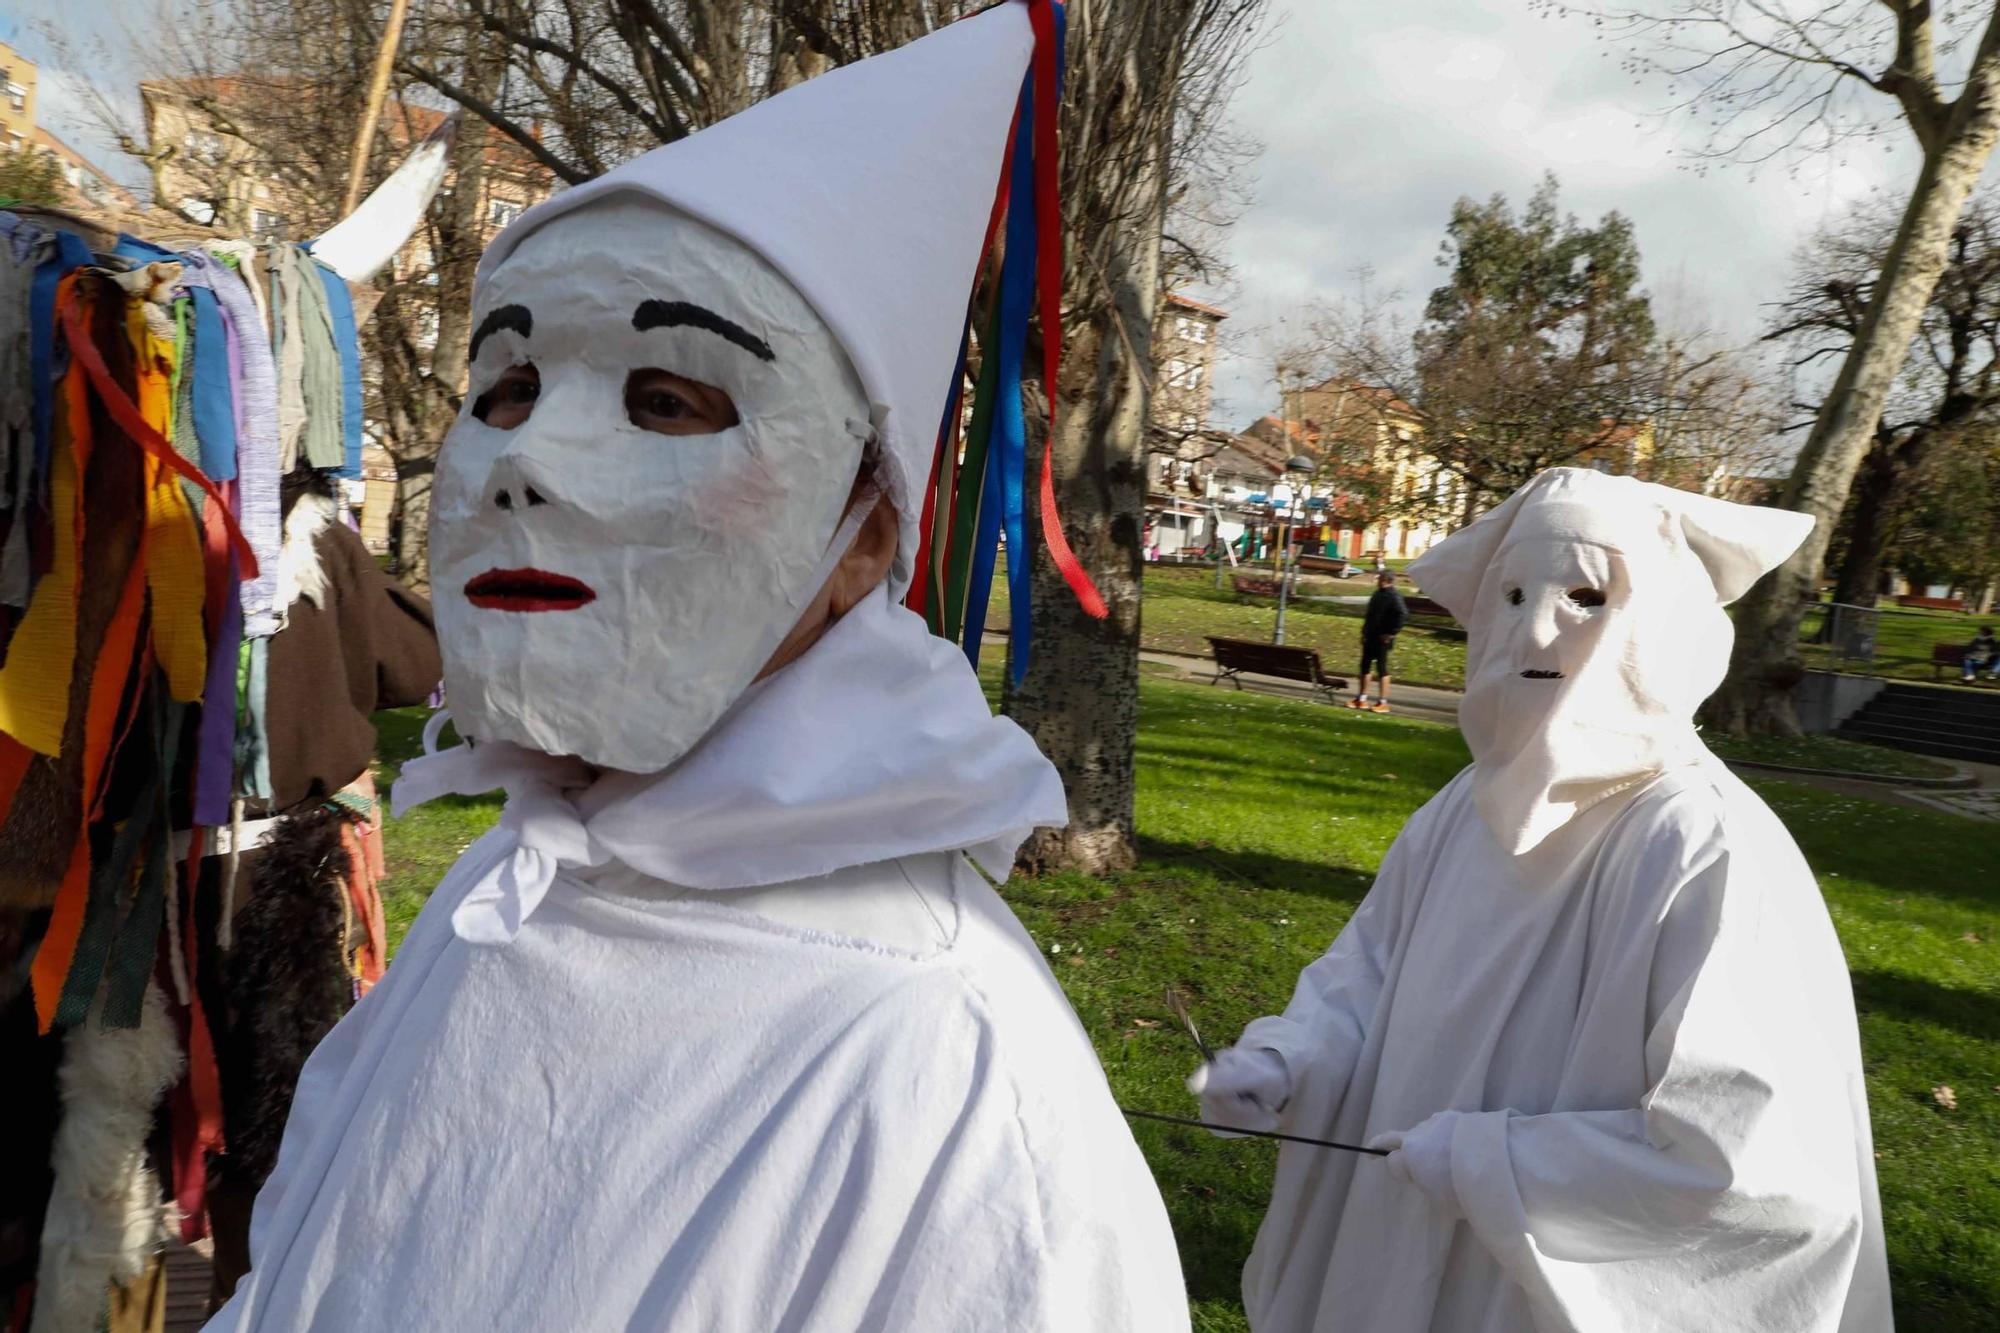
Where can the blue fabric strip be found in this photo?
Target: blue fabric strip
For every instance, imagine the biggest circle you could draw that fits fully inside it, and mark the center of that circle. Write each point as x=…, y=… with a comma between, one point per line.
x=347, y=340
x=1017, y=300
x=1000, y=501
x=214, y=392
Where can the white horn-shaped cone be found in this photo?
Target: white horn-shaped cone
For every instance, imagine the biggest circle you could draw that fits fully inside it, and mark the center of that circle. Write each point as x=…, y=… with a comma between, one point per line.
x=361, y=244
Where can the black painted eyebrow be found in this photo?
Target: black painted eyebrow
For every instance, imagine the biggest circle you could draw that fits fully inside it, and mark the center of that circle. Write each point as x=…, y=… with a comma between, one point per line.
x=515, y=317
x=672, y=314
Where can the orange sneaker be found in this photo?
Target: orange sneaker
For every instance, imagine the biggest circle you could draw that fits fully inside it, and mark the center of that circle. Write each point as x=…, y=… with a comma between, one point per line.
x=1381, y=708
x=1357, y=702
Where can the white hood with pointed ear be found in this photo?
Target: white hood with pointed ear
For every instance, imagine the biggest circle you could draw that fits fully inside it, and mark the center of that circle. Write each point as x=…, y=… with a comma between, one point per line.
x=1593, y=606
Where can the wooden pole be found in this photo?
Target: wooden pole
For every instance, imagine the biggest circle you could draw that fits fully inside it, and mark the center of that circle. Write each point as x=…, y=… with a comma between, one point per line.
x=378, y=90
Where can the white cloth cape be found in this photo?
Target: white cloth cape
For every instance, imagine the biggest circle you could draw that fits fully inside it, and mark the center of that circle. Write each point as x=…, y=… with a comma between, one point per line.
x=1641, y=1036
x=852, y=1101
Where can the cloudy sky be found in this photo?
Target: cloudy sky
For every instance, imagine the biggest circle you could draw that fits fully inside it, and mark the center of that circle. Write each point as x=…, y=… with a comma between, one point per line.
x=1376, y=117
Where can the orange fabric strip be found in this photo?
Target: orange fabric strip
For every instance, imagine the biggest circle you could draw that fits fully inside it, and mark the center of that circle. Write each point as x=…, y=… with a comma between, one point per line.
x=58, y=949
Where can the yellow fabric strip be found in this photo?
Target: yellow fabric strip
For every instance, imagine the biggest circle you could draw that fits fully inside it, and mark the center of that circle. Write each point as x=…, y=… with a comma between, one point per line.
x=174, y=572
x=34, y=684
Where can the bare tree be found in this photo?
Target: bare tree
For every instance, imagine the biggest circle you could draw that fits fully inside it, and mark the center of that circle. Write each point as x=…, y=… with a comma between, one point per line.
x=1948, y=395
x=254, y=105
x=1772, y=76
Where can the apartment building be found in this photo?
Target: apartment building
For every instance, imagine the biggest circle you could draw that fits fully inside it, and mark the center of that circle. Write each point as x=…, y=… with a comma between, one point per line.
x=17, y=99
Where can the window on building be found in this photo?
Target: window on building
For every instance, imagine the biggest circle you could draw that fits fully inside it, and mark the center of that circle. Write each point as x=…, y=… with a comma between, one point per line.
x=202, y=146
x=1184, y=374
x=1190, y=330
x=502, y=212
x=1190, y=421
x=266, y=225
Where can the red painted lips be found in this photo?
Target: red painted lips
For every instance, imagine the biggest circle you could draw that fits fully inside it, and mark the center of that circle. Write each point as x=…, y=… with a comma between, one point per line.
x=527, y=590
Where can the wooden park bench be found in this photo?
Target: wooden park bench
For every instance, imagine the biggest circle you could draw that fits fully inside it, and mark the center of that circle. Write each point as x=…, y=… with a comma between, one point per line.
x=1947, y=655
x=1321, y=564
x=1255, y=585
x=1233, y=657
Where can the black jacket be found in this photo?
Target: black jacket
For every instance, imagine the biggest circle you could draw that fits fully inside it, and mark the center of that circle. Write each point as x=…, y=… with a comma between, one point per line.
x=1386, y=614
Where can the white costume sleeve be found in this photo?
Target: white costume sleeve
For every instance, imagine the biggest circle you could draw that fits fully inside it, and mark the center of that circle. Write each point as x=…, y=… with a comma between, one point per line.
x=1320, y=1033
x=1728, y=1183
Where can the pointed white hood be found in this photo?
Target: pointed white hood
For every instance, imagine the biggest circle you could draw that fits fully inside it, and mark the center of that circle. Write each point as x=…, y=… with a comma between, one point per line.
x=1593, y=606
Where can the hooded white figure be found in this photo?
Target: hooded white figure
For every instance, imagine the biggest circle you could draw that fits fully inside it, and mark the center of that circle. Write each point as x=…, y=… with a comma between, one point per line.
x=723, y=1027
x=1594, y=1002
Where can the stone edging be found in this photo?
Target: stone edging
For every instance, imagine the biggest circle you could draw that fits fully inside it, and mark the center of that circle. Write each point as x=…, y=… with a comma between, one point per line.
x=1958, y=781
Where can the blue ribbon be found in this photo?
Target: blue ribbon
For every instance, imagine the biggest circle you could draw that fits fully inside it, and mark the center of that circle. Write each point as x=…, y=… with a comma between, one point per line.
x=1002, y=498
x=214, y=396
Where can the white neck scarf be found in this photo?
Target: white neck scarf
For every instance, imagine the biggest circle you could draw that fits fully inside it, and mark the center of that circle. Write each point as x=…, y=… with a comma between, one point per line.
x=876, y=744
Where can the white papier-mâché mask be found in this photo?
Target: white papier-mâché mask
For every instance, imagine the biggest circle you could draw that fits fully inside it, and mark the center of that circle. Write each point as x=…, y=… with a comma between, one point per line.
x=1595, y=629
x=603, y=590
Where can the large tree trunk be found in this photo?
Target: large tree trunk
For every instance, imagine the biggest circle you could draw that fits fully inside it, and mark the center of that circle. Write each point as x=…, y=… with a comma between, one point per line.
x=1080, y=697
x=1875, y=494
x=1765, y=667
x=423, y=399
x=413, y=517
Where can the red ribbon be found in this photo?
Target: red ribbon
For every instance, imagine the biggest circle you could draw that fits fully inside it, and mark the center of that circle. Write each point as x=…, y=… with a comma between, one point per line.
x=1048, y=204
x=126, y=413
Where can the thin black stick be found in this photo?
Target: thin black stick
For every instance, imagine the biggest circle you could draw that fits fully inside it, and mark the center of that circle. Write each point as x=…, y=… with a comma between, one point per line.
x=1253, y=1133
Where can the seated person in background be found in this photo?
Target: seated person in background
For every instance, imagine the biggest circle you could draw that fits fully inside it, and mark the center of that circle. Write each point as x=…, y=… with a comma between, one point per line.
x=1983, y=653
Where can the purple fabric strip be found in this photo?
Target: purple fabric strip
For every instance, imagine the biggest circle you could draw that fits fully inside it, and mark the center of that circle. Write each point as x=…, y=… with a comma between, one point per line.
x=215, y=757
x=256, y=440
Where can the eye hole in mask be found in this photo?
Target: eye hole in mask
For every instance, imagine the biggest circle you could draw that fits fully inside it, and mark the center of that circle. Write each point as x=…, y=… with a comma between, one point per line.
x=669, y=404
x=1586, y=597
x=511, y=400
x=1515, y=596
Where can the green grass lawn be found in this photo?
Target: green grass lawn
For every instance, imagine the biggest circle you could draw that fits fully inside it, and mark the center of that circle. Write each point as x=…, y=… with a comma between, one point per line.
x=1903, y=641
x=1183, y=606
x=1263, y=822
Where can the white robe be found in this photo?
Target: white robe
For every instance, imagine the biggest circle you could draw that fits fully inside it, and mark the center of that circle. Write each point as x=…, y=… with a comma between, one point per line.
x=1647, y=1028
x=856, y=1102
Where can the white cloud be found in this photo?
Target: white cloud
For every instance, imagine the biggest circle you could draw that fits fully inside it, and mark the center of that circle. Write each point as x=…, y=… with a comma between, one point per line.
x=1376, y=118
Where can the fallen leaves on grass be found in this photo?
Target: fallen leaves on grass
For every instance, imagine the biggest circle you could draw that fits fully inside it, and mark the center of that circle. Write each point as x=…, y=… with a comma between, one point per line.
x=1945, y=1097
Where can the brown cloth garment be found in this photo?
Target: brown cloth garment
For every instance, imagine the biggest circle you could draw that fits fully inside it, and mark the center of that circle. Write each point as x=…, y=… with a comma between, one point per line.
x=285, y=983
x=370, y=647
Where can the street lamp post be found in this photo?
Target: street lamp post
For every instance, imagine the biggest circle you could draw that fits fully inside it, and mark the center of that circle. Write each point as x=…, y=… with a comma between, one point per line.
x=1298, y=464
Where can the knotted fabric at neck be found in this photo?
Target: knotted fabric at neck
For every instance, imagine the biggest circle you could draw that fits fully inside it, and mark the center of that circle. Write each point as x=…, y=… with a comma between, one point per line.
x=876, y=744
